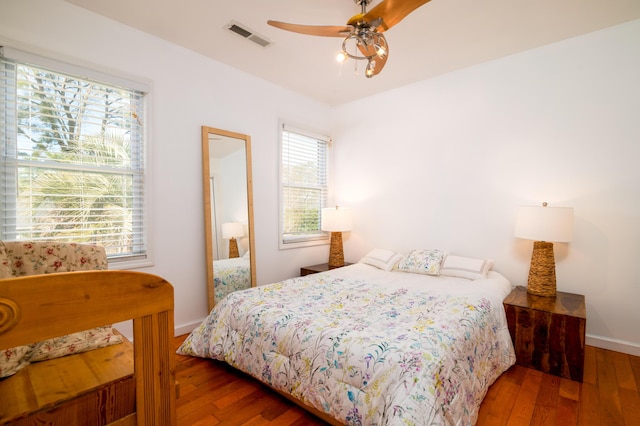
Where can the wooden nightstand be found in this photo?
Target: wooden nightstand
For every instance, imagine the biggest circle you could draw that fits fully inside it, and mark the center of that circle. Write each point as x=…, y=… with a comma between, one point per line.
x=322, y=267
x=548, y=333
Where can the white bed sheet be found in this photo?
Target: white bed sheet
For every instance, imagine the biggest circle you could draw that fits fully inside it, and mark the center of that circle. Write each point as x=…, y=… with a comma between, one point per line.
x=496, y=286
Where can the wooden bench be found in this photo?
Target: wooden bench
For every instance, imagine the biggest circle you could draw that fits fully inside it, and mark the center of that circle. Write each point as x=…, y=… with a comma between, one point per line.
x=122, y=384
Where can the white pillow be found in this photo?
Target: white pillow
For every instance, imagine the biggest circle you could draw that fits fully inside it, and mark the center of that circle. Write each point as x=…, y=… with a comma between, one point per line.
x=382, y=259
x=421, y=262
x=465, y=267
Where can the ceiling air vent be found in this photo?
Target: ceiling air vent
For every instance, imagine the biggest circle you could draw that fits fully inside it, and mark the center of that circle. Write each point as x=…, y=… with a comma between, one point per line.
x=245, y=32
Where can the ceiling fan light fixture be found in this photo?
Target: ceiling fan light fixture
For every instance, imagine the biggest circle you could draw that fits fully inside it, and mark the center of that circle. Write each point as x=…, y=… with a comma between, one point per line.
x=369, y=43
x=364, y=30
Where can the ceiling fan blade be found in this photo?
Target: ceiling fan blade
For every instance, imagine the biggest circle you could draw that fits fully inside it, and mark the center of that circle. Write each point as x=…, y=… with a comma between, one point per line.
x=389, y=12
x=315, y=30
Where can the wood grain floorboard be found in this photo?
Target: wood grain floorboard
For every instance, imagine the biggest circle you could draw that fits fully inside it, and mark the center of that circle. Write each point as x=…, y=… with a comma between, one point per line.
x=213, y=393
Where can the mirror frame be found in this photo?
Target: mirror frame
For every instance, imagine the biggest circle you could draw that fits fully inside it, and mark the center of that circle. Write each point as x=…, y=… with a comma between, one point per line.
x=208, y=227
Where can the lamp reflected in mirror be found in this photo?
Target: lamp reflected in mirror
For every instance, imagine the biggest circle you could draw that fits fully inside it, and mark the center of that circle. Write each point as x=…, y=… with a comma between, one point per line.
x=231, y=231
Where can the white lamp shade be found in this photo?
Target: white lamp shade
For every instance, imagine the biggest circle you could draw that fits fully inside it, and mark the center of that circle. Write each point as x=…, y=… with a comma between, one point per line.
x=336, y=219
x=232, y=230
x=550, y=224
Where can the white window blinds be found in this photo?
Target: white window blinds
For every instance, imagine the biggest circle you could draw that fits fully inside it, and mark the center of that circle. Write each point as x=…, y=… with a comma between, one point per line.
x=72, y=159
x=304, y=184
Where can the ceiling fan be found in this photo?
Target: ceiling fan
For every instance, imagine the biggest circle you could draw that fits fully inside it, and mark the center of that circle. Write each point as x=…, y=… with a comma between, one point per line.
x=363, y=30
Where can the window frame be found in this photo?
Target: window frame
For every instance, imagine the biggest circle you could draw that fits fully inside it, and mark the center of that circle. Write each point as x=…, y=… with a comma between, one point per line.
x=315, y=239
x=83, y=71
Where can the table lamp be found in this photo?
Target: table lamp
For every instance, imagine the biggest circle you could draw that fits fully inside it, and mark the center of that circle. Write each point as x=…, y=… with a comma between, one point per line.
x=231, y=231
x=544, y=225
x=336, y=220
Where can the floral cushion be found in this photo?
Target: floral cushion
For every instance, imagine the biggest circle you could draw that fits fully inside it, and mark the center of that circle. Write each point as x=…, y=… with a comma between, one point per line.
x=22, y=258
x=32, y=258
x=5, y=268
x=75, y=343
x=421, y=262
x=14, y=359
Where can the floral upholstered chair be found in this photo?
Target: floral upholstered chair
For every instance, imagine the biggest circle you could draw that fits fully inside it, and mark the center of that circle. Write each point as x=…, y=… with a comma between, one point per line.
x=21, y=258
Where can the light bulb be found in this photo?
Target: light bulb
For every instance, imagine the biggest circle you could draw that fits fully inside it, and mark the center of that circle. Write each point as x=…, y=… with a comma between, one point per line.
x=380, y=51
x=341, y=56
x=369, y=71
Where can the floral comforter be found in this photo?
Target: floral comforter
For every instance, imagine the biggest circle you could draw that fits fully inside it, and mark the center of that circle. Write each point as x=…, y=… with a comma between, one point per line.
x=364, y=353
x=230, y=275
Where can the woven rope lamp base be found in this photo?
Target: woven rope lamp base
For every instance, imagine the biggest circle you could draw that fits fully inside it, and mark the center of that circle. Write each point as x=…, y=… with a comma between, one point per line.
x=336, y=254
x=233, y=248
x=542, y=272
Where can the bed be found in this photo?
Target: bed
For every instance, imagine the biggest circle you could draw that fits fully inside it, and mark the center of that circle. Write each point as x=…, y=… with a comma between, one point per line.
x=364, y=344
x=231, y=275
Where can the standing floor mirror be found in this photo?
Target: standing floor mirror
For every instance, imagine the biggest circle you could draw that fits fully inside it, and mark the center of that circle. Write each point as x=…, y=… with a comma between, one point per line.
x=228, y=212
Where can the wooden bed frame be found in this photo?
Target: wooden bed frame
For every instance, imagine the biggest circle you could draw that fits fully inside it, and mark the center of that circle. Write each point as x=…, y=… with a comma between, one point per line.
x=123, y=384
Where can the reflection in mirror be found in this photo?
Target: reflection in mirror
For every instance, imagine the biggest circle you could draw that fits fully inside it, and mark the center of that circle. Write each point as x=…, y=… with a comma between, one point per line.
x=228, y=204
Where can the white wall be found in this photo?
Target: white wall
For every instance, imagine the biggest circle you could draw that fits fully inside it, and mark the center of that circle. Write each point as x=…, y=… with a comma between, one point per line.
x=188, y=91
x=445, y=163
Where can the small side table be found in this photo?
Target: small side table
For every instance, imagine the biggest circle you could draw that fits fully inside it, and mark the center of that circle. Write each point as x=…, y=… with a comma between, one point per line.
x=322, y=267
x=548, y=333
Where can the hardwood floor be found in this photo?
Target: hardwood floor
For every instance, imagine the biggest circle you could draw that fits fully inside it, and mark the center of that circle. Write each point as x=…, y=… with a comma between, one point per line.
x=212, y=393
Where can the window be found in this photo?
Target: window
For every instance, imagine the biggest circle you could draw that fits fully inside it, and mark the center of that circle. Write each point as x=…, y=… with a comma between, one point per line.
x=72, y=156
x=304, y=185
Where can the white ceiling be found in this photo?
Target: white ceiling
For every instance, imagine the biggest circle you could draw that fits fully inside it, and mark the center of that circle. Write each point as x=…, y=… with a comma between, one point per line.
x=440, y=36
